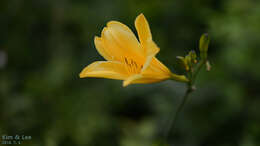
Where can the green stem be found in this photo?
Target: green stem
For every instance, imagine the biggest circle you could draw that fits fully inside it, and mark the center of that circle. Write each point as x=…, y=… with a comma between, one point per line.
x=180, y=107
x=198, y=68
x=192, y=77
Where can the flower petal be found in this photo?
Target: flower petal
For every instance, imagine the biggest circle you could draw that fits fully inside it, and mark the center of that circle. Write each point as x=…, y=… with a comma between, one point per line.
x=150, y=54
x=143, y=29
x=105, y=69
x=101, y=48
x=159, y=66
x=146, y=80
x=145, y=36
x=140, y=79
x=110, y=46
x=156, y=70
x=130, y=79
x=121, y=41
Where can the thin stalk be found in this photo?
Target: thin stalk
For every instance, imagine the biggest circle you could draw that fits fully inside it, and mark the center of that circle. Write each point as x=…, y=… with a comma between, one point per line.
x=199, y=66
x=192, y=76
x=173, y=120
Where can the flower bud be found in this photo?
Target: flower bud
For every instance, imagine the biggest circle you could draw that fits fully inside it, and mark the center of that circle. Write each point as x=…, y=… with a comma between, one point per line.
x=184, y=62
x=193, y=56
x=203, y=46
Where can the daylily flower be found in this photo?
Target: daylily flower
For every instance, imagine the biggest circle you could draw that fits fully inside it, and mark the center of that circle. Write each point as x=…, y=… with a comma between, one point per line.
x=127, y=58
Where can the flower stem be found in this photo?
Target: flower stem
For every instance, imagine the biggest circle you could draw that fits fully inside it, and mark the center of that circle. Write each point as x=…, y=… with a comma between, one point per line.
x=190, y=87
x=173, y=120
x=200, y=65
x=180, y=107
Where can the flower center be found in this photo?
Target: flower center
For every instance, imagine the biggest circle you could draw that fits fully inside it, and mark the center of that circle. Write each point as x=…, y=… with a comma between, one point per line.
x=132, y=66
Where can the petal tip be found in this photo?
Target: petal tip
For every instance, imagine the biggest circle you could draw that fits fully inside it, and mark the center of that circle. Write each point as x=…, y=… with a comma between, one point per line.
x=140, y=19
x=84, y=73
x=112, y=22
x=141, y=16
x=125, y=84
x=103, y=31
x=81, y=75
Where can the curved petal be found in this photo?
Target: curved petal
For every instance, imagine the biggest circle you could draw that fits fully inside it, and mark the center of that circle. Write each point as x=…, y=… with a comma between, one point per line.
x=145, y=36
x=141, y=79
x=105, y=69
x=124, y=37
x=101, y=48
x=146, y=80
x=157, y=70
x=110, y=46
x=155, y=74
x=143, y=29
x=131, y=79
x=159, y=66
x=120, y=41
x=150, y=54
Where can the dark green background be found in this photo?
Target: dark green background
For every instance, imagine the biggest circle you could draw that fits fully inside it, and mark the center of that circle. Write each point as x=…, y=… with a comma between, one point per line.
x=44, y=44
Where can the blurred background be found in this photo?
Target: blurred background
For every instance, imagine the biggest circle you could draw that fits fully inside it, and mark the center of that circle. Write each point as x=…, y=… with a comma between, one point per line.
x=44, y=45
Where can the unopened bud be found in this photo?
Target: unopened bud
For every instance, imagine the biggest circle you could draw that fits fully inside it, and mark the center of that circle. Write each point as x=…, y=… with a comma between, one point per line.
x=204, y=45
x=193, y=56
x=208, y=66
x=183, y=62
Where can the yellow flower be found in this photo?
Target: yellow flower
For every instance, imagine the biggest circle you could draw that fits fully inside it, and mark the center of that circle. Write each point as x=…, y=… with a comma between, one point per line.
x=127, y=58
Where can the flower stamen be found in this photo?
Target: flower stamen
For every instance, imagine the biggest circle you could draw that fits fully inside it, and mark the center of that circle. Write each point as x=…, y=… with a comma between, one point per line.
x=132, y=66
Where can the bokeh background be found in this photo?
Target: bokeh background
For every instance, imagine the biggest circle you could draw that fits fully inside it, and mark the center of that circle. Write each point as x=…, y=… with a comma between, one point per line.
x=44, y=44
